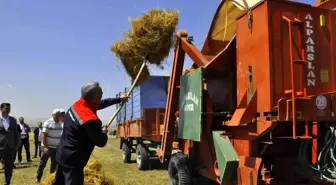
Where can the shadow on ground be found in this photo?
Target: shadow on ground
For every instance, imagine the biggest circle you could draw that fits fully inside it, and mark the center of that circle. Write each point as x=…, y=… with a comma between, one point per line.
x=26, y=166
x=155, y=164
x=203, y=181
x=22, y=166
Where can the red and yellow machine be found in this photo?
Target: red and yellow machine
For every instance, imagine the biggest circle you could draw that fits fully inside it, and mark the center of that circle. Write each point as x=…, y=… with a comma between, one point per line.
x=258, y=105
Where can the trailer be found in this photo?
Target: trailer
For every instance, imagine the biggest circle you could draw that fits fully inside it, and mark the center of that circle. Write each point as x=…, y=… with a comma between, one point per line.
x=258, y=104
x=140, y=121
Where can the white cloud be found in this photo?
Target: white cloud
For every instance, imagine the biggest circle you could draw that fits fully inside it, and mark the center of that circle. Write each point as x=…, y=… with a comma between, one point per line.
x=10, y=86
x=6, y=86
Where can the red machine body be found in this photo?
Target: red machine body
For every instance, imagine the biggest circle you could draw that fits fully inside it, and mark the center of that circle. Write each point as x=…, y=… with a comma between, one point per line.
x=272, y=83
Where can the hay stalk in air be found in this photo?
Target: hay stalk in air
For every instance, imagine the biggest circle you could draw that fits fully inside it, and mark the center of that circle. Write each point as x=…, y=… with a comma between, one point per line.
x=150, y=41
x=151, y=37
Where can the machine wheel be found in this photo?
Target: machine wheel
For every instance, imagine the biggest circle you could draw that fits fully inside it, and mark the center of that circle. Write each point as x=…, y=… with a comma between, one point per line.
x=142, y=157
x=178, y=172
x=126, y=153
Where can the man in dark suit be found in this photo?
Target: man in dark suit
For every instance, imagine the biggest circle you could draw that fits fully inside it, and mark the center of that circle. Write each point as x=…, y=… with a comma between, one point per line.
x=25, y=129
x=37, y=139
x=19, y=131
x=9, y=140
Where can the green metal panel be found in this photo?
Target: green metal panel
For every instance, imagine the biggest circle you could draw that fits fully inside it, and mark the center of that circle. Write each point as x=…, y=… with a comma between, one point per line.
x=190, y=117
x=227, y=157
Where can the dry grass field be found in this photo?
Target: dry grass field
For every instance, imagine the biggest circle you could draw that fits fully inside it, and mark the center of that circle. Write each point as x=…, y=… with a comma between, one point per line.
x=111, y=158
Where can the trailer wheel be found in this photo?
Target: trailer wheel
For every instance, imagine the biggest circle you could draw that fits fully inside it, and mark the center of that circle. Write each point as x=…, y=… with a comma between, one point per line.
x=142, y=157
x=178, y=172
x=126, y=153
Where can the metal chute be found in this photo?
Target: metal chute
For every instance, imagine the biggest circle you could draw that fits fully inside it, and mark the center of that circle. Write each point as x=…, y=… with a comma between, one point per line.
x=223, y=26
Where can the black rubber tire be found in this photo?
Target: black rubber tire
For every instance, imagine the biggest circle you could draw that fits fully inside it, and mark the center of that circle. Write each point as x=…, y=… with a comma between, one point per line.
x=178, y=172
x=126, y=153
x=142, y=157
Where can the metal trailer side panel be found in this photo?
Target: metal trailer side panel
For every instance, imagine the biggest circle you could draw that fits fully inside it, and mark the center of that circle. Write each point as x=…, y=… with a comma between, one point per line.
x=149, y=94
x=153, y=92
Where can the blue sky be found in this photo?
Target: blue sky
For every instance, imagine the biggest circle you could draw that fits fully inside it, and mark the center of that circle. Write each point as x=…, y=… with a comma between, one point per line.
x=49, y=49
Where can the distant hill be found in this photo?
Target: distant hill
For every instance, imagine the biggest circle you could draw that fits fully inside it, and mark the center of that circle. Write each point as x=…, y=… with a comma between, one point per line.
x=32, y=121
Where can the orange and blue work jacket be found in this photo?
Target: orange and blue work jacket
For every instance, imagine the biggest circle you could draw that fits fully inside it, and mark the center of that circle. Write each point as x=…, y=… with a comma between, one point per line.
x=82, y=131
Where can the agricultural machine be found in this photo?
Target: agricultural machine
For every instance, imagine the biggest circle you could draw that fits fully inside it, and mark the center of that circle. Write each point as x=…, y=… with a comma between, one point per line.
x=258, y=104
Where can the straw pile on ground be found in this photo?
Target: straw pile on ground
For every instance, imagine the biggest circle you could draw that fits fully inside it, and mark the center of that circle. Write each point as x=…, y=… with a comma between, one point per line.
x=151, y=38
x=93, y=175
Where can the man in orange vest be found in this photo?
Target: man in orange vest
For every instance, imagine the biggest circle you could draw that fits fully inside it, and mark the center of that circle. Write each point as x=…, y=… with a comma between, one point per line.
x=82, y=131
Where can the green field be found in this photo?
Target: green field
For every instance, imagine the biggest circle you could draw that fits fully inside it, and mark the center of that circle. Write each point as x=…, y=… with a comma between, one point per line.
x=111, y=158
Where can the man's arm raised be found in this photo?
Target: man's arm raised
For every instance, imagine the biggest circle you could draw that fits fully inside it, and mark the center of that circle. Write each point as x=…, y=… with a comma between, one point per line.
x=111, y=101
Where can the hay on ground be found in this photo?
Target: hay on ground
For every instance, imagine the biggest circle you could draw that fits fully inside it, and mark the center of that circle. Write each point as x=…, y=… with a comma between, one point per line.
x=93, y=175
x=151, y=38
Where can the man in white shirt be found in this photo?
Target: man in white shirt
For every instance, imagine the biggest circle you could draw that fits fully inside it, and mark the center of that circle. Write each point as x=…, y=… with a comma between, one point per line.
x=51, y=134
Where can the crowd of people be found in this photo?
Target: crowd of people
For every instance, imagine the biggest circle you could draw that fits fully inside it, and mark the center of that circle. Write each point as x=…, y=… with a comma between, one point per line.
x=67, y=138
x=24, y=130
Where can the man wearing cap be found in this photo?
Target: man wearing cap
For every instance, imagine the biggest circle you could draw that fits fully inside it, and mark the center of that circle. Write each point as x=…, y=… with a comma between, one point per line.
x=82, y=131
x=51, y=133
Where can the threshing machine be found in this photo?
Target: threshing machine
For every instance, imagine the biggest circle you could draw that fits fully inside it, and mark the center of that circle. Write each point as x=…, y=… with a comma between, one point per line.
x=258, y=104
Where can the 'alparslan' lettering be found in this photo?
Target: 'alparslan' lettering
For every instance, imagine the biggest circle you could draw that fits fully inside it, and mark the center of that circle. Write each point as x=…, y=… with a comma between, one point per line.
x=310, y=51
x=192, y=97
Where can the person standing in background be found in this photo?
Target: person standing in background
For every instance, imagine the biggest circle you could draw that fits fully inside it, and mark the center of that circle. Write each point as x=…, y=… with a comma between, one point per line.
x=15, y=152
x=51, y=134
x=37, y=139
x=62, y=114
x=25, y=129
x=19, y=131
x=9, y=140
